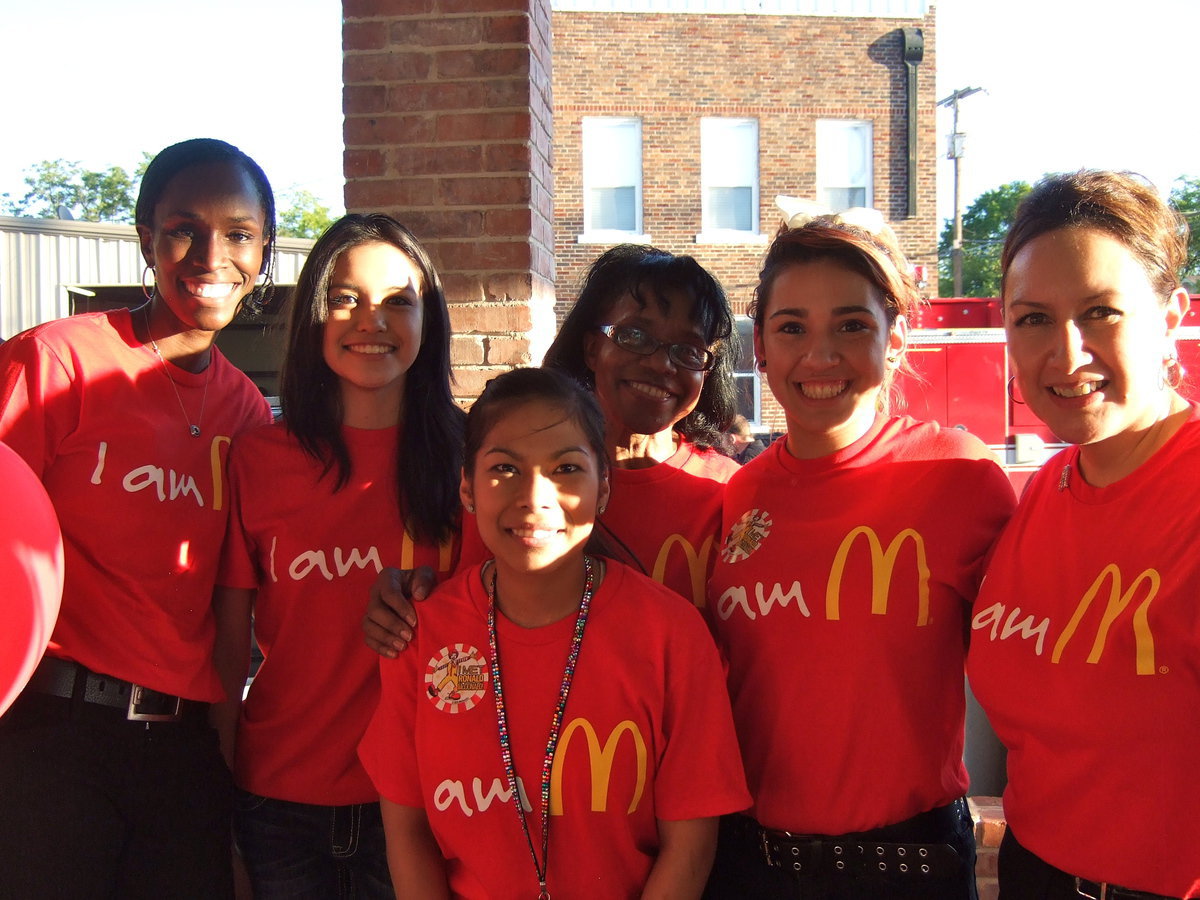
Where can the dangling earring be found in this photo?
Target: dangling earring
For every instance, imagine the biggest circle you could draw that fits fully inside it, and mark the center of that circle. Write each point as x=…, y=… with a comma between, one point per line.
x=1172, y=374
x=1012, y=380
x=148, y=292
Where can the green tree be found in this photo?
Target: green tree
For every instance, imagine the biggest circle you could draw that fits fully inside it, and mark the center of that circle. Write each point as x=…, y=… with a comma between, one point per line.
x=1186, y=198
x=305, y=216
x=985, y=224
x=96, y=196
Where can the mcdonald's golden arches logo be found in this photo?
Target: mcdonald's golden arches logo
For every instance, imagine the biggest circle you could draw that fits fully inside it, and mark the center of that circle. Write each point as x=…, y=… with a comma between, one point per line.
x=696, y=561
x=1117, y=603
x=882, y=564
x=601, y=759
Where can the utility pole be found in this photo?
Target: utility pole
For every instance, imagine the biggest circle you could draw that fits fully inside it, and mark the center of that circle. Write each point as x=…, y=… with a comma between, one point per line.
x=955, y=152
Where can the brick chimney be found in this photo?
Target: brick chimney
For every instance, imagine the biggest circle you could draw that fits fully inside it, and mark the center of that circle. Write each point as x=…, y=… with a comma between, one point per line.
x=448, y=129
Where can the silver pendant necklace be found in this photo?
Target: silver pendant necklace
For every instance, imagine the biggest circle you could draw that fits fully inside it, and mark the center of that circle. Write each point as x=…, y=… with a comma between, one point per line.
x=193, y=427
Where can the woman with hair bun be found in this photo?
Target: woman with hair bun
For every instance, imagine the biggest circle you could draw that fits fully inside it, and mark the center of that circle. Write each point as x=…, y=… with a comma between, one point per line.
x=842, y=593
x=1085, y=651
x=112, y=783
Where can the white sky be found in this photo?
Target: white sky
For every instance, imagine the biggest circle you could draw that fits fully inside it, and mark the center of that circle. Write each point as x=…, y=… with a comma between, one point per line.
x=1070, y=84
x=99, y=81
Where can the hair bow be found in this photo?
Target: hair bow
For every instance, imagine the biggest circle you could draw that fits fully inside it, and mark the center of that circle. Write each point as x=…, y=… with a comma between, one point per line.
x=800, y=212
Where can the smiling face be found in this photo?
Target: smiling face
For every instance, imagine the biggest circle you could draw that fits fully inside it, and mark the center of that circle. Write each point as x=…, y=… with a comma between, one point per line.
x=829, y=352
x=206, y=246
x=373, y=331
x=645, y=394
x=1088, y=335
x=536, y=486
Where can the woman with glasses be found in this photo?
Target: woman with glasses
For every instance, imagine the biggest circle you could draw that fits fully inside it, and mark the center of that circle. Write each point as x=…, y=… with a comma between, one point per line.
x=651, y=336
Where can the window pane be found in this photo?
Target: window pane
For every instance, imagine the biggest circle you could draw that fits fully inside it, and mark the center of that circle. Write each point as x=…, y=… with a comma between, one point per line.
x=844, y=162
x=745, y=392
x=730, y=208
x=729, y=151
x=729, y=174
x=612, y=173
x=614, y=209
x=745, y=360
x=844, y=198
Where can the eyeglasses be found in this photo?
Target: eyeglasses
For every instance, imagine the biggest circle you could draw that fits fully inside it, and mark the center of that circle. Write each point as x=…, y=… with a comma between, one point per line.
x=635, y=340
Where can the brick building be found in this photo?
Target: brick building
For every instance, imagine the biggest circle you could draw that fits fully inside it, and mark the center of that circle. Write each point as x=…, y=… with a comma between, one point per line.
x=520, y=138
x=679, y=128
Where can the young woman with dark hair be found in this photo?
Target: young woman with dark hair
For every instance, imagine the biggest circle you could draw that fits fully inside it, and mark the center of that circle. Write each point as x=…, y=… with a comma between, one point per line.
x=367, y=414
x=560, y=724
x=111, y=779
x=842, y=593
x=1095, y=689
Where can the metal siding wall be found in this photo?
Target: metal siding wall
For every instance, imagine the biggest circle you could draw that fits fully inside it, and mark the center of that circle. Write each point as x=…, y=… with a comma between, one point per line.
x=38, y=257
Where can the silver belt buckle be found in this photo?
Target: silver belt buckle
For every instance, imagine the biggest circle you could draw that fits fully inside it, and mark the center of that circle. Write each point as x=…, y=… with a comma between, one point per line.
x=133, y=714
x=1079, y=889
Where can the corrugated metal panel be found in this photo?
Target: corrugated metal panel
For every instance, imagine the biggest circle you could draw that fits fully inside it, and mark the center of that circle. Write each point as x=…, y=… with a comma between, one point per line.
x=41, y=258
x=885, y=9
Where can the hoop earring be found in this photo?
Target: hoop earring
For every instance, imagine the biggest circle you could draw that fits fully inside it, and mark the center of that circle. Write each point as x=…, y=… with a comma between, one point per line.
x=148, y=292
x=1012, y=380
x=259, y=298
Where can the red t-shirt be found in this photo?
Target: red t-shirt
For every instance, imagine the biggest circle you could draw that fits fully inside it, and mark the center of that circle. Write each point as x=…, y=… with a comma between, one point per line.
x=142, y=503
x=313, y=555
x=1085, y=653
x=646, y=735
x=840, y=600
x=668, y=516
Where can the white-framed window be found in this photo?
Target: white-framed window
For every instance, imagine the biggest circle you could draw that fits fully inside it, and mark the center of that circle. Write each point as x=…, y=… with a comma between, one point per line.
x=728, y=178
x=747, y=381
x=844, y=163
x=612, y=177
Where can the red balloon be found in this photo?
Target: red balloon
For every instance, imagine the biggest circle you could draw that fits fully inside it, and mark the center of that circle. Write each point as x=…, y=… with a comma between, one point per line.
x=31, y=573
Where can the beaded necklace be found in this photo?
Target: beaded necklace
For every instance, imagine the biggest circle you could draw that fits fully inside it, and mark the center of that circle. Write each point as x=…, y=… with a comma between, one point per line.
x=510, y=770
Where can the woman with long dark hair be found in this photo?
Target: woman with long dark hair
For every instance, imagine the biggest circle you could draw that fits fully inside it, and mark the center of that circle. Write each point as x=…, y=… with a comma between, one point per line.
x=361, y=469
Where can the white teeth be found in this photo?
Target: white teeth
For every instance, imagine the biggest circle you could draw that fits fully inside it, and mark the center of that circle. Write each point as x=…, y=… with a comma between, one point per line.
x=1076, y=390
x=537, y=534
x=822, y=390
x=369, y=348
x=210, y=291
x=649, y=390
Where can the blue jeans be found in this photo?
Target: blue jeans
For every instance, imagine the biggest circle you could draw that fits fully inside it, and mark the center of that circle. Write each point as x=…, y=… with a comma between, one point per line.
x=741, y=871
x=303, y=850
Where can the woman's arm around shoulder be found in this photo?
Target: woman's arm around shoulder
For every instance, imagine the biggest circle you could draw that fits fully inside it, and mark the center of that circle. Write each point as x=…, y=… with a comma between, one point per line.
x=418, y=870
x=685, y=856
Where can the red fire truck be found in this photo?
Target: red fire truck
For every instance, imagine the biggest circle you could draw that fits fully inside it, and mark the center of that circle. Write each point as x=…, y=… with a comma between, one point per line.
x=957, y=350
